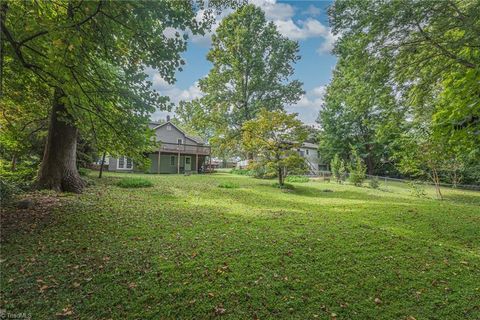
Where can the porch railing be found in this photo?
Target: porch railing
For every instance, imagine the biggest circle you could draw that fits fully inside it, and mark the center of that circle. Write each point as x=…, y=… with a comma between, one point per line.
x=184, y=148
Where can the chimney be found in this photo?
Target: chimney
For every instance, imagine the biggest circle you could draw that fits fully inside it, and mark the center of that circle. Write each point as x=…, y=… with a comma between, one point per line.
x=168, y=118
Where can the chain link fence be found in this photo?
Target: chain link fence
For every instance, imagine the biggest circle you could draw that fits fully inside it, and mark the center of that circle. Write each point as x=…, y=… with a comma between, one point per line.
x=327, y=175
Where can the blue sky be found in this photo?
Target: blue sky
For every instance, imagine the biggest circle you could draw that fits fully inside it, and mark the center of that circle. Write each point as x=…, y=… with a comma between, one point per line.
x=303, y=21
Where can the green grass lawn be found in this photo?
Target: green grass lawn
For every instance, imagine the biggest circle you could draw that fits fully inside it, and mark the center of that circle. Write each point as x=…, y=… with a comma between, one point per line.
x=187, y=248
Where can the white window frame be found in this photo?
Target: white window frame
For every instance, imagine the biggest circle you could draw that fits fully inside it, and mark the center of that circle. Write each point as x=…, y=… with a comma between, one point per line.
x=169, y=127
x=125, y=163
x=307, y=152
x=179, y=141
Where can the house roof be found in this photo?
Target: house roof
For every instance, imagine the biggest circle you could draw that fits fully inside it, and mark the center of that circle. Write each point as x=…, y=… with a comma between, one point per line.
x=194, y=138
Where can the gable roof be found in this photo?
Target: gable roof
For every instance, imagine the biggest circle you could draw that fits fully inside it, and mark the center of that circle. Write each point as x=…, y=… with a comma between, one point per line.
x=196, y=139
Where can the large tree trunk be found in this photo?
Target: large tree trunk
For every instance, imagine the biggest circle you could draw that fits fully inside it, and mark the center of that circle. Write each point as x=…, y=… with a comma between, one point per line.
x=58, y=170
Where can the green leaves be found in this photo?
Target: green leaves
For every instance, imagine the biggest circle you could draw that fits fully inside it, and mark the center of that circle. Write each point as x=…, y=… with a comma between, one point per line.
x=404, y=67
x=96, y=53
x=273, y=137
x=252, y=66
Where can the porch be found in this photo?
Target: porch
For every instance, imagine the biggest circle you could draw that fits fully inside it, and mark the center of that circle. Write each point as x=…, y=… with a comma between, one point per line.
x=180, y=158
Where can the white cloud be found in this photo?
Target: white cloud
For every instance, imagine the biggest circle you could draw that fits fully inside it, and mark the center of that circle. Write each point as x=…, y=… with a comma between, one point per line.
x=274, y=10
x=176, y=94
x=282, y=15
x=309, y=105
x=312, y=11
x=311, y=28
x=328, y=43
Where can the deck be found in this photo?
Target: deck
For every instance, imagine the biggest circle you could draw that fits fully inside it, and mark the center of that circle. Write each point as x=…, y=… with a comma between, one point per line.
x=185, y=148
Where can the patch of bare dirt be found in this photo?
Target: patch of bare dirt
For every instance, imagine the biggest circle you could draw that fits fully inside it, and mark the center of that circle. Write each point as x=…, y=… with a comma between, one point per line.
x=28, y=214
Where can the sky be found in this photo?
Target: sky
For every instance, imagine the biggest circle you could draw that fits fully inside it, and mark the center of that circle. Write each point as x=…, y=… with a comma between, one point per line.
x=303, y=21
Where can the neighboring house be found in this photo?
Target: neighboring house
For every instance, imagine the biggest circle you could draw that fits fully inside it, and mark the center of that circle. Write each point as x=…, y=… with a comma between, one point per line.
x=308, y=151
x=178, y=152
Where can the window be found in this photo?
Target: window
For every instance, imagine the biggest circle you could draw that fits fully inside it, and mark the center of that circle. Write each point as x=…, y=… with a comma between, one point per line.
x=124, y=163
x=169, y=127
x=187, y=160
x=179, y=141
x=306, y=151
x=172, y=160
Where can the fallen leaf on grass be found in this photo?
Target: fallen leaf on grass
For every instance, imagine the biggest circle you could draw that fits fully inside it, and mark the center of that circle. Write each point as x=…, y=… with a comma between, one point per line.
x=219, y=310
x=377, y=301
x=43, y=288
x=67, y=311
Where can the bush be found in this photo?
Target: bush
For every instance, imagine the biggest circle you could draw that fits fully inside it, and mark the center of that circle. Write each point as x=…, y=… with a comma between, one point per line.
x=374, y=183
x=243, y=172
x=262, y=170
x=134, y=183
x=15, y=182
x=8, y=191
x=228, y=185
x=338, y=169
x=83, y=172
x=286, y=186
x=357, y=169
x=417, y=189
x=297, y=179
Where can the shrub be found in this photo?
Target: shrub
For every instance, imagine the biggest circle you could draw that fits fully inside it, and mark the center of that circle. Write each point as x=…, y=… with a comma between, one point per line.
x=286, y=186
x=262, y=170
x=357, y=169
x=243, y=172
x=417, y=189
x=83, y=172
x=15, y=182
x=297, y=179
x=374, y=183
x=134, y=183
x=338, y=169
x=228, y=185
x=8, y=191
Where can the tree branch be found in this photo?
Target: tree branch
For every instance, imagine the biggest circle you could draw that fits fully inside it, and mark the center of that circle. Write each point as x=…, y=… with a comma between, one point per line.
x=442, y=49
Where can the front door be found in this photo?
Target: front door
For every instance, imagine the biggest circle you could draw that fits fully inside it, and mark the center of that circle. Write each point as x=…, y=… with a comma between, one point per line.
x=188, y=163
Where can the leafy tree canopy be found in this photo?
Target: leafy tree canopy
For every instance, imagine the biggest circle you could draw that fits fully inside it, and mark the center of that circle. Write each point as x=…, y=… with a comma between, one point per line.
x=89, y=58
x=273, y=137
x=252, y=66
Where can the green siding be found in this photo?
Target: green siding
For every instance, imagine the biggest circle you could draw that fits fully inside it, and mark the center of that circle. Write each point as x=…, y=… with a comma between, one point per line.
x=165, y=163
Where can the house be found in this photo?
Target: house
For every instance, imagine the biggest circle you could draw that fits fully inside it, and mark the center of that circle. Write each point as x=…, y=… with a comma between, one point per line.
x=178, y=152
x=308, y=151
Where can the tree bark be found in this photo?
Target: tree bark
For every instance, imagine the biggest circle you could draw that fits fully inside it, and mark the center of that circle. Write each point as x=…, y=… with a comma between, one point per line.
x=58, y=170
x=436, y=181
x=14, y=163
x=280, y=176
x=102, y=164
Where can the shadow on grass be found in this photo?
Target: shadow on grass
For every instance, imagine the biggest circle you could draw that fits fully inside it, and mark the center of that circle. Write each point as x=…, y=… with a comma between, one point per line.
x=463, y=198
